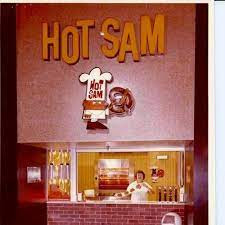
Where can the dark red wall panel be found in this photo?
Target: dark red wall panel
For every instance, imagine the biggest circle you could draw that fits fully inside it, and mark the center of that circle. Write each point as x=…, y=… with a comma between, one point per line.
x=28, y=156
x=8, y=115
x=201, y=118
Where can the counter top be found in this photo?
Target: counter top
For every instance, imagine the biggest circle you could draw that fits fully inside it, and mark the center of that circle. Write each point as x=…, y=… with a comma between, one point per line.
x=120, y=202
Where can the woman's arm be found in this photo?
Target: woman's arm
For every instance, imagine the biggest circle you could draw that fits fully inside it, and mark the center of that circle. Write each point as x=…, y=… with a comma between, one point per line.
x=128, y=192
x=122, y=194
x=149, y=187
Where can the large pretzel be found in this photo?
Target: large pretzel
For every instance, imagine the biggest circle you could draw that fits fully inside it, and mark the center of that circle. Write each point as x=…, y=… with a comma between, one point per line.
x=122, y=101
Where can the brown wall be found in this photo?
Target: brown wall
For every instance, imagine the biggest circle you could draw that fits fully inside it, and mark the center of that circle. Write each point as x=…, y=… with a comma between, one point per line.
x=50, y=96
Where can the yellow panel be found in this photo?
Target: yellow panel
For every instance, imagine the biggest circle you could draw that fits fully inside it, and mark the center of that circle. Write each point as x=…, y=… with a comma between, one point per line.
x=189, y=161
x=170, y=167
x=86, y=170
x=142, y=161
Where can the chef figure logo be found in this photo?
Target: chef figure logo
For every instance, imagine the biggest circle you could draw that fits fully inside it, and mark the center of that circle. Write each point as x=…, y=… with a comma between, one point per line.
x=95, y=104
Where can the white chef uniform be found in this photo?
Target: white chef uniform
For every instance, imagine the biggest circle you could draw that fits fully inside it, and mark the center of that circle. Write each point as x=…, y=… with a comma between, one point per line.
x=139, y=194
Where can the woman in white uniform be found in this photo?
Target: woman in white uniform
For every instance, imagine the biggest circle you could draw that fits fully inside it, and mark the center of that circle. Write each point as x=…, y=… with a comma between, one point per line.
x=138, y=189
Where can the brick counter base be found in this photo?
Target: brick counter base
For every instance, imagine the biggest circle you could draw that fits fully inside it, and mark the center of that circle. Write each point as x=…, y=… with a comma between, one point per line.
x=109, y=214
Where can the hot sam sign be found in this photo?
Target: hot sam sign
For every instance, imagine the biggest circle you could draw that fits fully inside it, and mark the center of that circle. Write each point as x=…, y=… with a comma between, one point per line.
x=96, y=84
x=96, y=90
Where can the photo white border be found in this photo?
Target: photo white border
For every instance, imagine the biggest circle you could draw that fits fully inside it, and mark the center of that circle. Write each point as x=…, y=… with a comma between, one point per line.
x=211, y=117
x=211, y=82
x=220, y=109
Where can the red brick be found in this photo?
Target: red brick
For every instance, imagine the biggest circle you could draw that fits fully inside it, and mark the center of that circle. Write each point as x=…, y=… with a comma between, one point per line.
x=106, y=209
x=122, y=214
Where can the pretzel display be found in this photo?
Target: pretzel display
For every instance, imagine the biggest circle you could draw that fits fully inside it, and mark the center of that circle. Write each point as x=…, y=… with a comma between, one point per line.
x=122, y=101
